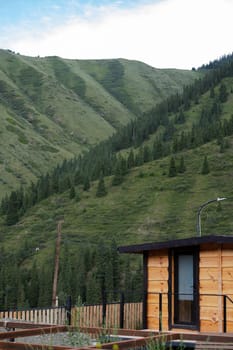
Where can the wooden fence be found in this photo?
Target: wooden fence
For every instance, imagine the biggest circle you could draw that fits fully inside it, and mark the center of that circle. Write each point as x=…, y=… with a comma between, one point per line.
x=55, y=315
x=92, y=316
x=128, y=315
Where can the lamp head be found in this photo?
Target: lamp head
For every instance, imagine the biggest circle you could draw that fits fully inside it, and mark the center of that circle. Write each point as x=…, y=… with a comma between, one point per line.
x=221, y=199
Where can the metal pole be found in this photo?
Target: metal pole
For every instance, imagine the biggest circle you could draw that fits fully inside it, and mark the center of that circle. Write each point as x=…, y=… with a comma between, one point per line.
x=104, y=308
x=122, y=305
x=224, y=313
x=160, y=312
x=68, y=309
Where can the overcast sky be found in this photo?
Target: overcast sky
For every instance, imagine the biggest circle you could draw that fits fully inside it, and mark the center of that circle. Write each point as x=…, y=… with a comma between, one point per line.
x=161, y=33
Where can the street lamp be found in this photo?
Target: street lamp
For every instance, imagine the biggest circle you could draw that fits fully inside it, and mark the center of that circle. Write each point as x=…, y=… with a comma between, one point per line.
x=218, y=199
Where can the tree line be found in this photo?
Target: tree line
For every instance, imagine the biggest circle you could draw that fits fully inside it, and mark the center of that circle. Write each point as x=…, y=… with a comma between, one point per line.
x=83, y=274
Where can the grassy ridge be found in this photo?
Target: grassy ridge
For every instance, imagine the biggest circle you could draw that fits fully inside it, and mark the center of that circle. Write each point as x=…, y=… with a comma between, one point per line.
x=53, y=108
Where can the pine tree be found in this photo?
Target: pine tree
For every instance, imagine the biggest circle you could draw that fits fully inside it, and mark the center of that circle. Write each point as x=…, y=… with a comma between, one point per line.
x=72, y=192
x=115, y=263
x=45, y=285
x=147, y=156
x=12, y=277
x=65, y=274
x=181, y=167
x=212, y=92
x=86, y=185
x=78, y=178
x=77, y=197
x=118, y=176
x=21, y=299
x=101, y=189
x=180, y=118
x=120, y=169
x=205, y=166
x=127, y=279
x=2, y=286
x=43, y=187
x=223, y=93
x=131, y=160
x=12, y=216
x=93, y=289
x=82, y=269
x=33, y=288
x=137, y=284
x=158, y=149
x=139, y=157
x=184, y=141
x=101, y=258
x=172, y=168
x=63, y=183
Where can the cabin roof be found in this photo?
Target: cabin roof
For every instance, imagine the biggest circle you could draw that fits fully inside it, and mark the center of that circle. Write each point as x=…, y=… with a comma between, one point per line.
x=177, y=243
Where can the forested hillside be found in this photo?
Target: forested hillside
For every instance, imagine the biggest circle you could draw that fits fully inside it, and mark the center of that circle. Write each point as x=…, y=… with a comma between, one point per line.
x=144, y=183
x=54, y=109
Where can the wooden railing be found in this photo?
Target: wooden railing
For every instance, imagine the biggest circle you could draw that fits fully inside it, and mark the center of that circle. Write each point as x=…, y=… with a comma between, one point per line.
x=127, y=315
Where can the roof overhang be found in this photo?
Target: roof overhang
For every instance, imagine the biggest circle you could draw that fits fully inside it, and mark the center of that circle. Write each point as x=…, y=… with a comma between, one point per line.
x=177, y=243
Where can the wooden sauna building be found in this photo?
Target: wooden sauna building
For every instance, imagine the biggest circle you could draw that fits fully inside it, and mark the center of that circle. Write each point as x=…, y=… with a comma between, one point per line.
x=188, y=284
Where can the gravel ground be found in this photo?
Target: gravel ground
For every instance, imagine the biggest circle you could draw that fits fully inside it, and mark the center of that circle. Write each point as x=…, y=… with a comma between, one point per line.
x=71, y=339
x=66, y=338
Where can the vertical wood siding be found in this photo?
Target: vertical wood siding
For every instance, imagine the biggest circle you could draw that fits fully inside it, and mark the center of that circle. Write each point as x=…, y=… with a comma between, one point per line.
x=157, y=283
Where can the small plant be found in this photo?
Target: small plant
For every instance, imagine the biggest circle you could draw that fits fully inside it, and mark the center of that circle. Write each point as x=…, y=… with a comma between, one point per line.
x=161, y=343
x=156, y=344
x=76, y=338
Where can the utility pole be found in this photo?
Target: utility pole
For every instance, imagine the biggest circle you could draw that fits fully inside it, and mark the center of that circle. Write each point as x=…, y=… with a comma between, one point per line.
x=56, y=262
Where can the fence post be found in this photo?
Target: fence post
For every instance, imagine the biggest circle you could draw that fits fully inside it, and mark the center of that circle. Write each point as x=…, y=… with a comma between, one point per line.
x=224, y=313
x=68, y=309
x=122, y=306
x=104, y=303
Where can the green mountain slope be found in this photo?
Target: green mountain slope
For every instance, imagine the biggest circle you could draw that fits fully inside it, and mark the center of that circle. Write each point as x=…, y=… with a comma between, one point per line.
x=54, y=109
x=149, y=203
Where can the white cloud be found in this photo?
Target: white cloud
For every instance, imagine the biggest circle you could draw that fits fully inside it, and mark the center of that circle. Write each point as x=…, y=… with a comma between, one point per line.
x=170, y=33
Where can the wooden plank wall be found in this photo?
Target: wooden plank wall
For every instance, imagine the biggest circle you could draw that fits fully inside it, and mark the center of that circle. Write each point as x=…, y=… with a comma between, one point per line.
x=216, y=277
x=157, y=283
x=210, y=276
x=227, y=282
